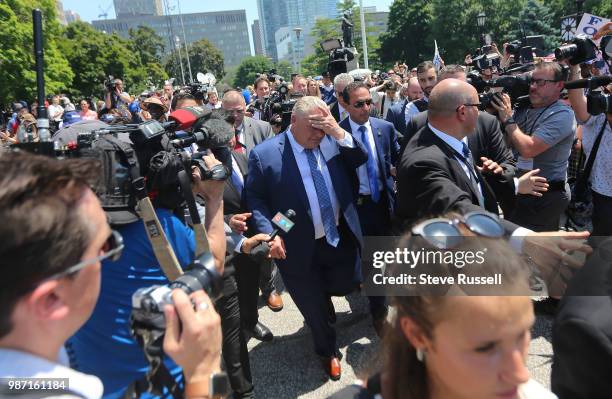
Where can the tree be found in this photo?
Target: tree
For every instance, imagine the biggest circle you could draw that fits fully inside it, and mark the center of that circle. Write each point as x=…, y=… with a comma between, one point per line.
x=204, y=57
x=249, y=68
x=17, y=71
x=284, y=69
x=94, y=55
x=537, y=19
x=408, y=32
x=150, y=48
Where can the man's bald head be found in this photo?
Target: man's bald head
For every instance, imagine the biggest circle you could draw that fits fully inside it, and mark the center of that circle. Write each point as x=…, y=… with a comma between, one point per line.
x=234, y=97
x=448, y=95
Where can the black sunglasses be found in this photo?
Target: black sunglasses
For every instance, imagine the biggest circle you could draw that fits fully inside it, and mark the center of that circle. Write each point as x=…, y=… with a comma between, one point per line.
x=444, y=233
x=112, y=249
x=360, y=104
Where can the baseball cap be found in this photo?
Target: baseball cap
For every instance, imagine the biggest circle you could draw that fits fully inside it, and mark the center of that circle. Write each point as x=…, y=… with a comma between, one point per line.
x=71, y=117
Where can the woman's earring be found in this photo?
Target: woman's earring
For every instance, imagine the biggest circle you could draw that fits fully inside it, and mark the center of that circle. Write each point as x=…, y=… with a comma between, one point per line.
x=420, y=355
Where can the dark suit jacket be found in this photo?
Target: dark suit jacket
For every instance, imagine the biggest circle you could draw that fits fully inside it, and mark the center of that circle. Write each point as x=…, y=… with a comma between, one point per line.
x=255, y=132
x=335, y=111
x=582, y=332
x=387, y=150
x=233, y=200
x=431, y=182
x=396, y=116
x=274, y=184
x=487, y=141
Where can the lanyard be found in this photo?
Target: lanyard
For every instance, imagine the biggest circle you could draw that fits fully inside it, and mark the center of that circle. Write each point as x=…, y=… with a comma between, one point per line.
x=533, y=125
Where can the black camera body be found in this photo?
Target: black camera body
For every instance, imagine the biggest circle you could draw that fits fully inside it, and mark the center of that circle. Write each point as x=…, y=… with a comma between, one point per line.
x=580, y=50
x=599, y=103
x=110, y=83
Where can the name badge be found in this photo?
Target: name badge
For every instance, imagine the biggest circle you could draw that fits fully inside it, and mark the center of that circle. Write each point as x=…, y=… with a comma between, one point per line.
x=525, y=163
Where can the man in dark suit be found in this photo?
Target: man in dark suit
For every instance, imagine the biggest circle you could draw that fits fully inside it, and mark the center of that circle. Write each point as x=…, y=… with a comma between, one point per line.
x=582, y=332
x=490, y=151
x=436, y=173
x=337, y=108
x=249, y=133
x=308, y=169
x=376, y=193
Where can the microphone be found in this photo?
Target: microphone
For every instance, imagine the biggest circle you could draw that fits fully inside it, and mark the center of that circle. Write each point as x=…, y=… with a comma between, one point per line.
x=212, y=133
x=590, y=83
x=283, y=223
x=185, y=118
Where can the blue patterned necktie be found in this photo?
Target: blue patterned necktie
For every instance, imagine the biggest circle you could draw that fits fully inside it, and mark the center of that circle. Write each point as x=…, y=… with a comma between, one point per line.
x=327, y=212
x=469, y=160
x=237, y=181
x=370, y=165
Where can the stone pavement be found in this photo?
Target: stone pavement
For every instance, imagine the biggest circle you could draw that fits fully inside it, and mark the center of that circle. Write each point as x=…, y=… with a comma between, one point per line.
x=288, y=368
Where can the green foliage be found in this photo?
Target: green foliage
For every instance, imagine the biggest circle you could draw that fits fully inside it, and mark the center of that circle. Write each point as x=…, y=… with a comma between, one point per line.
x=536, y=19
x=150, y=48
x=408, y=35
x=249, y=68
x=204, y=57
x=17, y=64
x=94, y=55
x=284, y=69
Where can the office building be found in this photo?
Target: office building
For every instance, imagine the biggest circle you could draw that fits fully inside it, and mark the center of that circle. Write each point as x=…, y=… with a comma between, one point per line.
x=71, y=16
x=257, y=41
x=272, y=16
x=131, y=8
x=226, y=30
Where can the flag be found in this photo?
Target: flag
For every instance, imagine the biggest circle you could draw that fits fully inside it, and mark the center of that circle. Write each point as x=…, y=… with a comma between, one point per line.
x=437, y=60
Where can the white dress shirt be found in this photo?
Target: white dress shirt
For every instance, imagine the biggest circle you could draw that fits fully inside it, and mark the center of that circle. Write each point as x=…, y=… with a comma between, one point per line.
x=326, y=147
x=362, y=171
x=412, y=110
x=18, y=364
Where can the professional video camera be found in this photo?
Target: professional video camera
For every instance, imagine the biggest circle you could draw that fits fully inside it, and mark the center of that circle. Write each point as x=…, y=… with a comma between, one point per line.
x=200, y=88
x=517, y=87
x=580, y=50
x=110, y=82
x=278, y=103
x=598, y=102
x=339, y=57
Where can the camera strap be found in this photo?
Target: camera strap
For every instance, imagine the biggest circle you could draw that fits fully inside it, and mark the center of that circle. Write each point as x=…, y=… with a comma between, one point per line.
x=161, y=246
x=199, y=230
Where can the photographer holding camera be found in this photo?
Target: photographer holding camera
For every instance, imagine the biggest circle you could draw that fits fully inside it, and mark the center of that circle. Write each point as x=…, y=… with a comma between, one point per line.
x=107, y=335
x=601, y=175
x=542, y=134
x=115, y=97
x=55, y=237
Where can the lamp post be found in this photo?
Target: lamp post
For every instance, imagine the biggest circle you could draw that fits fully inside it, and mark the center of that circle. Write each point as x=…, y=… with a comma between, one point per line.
x=177, y=41
x=481, y=19
x=579, y=4
x=296, y=50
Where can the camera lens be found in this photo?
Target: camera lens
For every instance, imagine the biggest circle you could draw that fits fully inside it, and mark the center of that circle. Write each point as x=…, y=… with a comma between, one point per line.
x=565, y=52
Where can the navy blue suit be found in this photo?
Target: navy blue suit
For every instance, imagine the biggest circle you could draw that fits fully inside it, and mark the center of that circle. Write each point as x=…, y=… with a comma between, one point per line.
x=396, y=115
x=387, y=150
x=313, y=269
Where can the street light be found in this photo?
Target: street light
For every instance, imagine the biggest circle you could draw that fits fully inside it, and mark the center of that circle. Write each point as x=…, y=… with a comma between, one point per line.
x=297, y=31
x=481, y=19
x=177, y=41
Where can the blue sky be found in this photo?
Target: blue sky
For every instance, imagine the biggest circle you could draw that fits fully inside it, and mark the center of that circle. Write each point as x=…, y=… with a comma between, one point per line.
x=89, y=10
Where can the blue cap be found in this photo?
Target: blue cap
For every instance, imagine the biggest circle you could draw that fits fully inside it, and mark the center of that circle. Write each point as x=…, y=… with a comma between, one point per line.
x=71, y=117
x=247, y=95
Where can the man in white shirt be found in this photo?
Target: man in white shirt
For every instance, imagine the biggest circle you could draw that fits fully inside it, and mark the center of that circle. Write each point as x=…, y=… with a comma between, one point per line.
x=338, y=109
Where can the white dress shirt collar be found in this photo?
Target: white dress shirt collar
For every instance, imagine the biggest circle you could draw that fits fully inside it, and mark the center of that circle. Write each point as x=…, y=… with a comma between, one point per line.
x=355, y=126
x=455, y=144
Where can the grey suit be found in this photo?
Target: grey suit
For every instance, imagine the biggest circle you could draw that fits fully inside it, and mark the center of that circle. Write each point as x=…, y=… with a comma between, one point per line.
x=255, y=132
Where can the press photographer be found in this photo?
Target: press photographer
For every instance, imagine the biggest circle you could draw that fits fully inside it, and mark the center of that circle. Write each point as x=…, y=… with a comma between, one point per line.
x=594, y=113
x=51, y=278
x=542, y=134
x=115, y=96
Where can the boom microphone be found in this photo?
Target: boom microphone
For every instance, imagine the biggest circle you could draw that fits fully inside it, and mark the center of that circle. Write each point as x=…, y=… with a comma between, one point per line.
x=590, y=83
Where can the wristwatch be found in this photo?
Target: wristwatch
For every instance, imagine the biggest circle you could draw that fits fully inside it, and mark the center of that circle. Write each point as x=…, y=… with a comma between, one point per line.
x=216, y=387
x=509, y=121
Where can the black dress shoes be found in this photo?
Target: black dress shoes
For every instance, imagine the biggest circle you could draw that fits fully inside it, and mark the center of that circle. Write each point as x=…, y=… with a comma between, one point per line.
x=259, y=332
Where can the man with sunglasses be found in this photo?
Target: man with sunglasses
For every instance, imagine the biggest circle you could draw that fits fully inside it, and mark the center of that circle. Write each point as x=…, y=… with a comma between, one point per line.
x=542, y=136
x=376, y=200
x=55, y=236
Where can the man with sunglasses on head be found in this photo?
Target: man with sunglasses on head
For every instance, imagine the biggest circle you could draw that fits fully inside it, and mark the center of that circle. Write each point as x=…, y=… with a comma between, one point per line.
x=55, y=236
x=376, y=200
x=542, y=136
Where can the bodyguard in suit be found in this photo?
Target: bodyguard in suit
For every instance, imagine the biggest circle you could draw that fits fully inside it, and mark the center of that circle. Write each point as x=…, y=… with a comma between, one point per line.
x=436, y=173
x=491, y=154
x=308, y=169
x=338, y=108
x=376, y=193
x=249, y=132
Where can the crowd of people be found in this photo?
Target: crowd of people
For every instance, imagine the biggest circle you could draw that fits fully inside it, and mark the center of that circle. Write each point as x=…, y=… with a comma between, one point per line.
x=411, y=152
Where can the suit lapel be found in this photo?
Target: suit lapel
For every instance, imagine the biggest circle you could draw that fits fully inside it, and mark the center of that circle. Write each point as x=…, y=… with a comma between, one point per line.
x=377, y=134
x=249, y=141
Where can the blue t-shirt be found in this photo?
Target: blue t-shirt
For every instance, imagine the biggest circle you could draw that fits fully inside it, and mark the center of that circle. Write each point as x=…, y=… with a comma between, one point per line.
x=104, y=346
